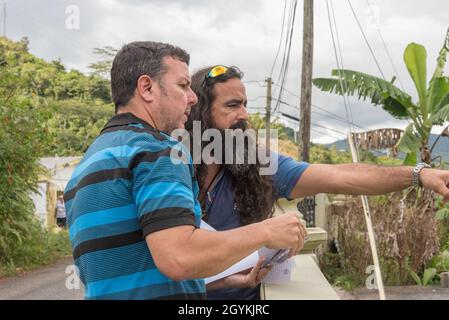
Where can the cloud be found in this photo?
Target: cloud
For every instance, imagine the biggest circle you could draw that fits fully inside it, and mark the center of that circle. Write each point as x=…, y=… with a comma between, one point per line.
x=242, y=33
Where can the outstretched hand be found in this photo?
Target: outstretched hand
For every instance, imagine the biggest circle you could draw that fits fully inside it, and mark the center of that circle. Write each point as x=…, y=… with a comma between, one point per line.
x=436, y=180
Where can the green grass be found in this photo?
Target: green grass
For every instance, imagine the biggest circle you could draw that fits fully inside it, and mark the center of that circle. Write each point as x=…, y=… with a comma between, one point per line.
x=49, y=248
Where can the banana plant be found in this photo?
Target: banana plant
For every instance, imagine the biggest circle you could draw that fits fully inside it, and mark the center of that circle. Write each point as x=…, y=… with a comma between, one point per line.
x=431, y=109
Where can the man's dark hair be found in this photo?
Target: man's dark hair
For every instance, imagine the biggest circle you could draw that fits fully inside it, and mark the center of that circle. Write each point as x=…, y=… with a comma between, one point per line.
x=136, y=59
x=254, y=203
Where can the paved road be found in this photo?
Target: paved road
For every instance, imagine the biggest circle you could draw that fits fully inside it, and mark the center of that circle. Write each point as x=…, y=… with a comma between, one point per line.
x=398, y=293
x=48, y=283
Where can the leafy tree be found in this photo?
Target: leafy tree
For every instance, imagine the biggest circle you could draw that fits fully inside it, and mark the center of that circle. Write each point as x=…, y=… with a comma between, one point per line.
x=258, y=123
x=431, y=109
x=23, y=137
x=102, y=67
x=51, y=80
x=75, y=125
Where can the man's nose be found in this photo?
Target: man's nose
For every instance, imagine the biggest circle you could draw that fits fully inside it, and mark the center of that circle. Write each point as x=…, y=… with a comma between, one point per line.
x=193, y=99
x=243, y=113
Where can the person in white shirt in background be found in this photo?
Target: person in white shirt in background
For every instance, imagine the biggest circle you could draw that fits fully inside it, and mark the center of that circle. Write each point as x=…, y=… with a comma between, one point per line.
x=60, y=214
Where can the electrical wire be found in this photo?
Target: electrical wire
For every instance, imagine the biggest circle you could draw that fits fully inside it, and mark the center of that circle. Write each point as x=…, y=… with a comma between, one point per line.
x=366, y=39
x=280, y=39
x=385, y=44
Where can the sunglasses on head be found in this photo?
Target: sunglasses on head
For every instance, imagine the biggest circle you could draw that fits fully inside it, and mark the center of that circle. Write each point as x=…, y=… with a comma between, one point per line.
x=216, y=72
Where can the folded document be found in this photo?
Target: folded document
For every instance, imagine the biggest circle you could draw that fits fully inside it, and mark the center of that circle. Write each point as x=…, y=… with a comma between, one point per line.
x=281, y=272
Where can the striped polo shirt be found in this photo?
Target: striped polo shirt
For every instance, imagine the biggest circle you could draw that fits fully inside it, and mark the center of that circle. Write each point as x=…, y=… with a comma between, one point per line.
x=125, y=188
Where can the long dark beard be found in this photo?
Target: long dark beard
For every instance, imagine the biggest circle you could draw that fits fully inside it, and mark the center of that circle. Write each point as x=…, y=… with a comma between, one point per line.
x=239, y=155
x=255, y=195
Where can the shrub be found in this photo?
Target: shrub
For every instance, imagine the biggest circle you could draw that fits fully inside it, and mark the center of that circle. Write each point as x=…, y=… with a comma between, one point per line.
x=406, y=237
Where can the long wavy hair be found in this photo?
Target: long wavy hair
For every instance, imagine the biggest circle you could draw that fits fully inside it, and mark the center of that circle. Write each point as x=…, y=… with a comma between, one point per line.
x=255, y=195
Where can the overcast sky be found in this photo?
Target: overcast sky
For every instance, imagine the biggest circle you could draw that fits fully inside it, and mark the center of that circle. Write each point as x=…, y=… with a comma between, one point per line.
x=245, y=34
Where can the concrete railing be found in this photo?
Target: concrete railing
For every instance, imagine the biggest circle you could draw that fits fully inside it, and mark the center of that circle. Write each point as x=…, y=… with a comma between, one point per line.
x=307, y=280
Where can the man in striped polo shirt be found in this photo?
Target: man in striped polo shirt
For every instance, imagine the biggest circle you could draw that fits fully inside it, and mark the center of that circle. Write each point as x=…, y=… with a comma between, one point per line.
x=133, y=213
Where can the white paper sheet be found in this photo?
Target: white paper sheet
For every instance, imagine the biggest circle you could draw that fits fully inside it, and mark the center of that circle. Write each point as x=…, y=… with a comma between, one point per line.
x=281, y=272
x=245, y=264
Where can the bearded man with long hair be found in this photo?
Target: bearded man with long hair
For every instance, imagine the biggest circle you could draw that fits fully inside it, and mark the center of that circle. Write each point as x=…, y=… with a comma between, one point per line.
x=234, y=194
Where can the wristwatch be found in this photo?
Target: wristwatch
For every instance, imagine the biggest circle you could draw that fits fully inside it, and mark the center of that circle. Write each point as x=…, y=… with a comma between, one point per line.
x=416, y=171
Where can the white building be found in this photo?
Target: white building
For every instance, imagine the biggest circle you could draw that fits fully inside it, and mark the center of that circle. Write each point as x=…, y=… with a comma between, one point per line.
x=51, y=185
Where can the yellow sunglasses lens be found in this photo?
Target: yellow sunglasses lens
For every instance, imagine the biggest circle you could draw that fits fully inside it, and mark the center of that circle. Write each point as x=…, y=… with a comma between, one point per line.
x=217, y=71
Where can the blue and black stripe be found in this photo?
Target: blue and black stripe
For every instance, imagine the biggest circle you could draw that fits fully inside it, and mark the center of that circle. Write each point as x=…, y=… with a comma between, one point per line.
x=125, y=188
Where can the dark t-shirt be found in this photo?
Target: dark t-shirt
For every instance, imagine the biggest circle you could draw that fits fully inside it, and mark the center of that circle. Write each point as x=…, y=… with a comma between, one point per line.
x=222, y=214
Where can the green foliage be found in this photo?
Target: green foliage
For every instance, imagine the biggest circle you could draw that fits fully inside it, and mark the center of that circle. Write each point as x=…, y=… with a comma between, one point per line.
x=431, y=109
x=321, y=154
x=75, y=125
x=23, y=139
x=366, y=87
x=346, y=282
x=77, y=106
x=42, y=248
x=31, y=93
x=102, y=67
x=415, y=57
x=258, y=123
x=49, y=80
x=405, y=236
x=443, y=213
x=427, y=277
x=410, y=159
x=440, y=262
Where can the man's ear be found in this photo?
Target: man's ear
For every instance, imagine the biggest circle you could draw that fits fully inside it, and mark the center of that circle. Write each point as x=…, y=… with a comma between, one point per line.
x=145, y=88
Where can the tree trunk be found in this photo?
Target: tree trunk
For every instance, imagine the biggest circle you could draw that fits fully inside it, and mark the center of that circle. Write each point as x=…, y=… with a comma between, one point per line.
x=426, y=156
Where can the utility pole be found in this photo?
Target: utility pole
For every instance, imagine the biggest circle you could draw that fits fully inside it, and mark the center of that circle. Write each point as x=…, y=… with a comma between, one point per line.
x=306, y=82
x=268, y=114
x=4, y=18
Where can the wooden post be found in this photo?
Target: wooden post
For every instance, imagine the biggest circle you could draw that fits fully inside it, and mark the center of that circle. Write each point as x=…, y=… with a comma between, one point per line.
x=369, y=226
x=268, y=114
x=306, y=82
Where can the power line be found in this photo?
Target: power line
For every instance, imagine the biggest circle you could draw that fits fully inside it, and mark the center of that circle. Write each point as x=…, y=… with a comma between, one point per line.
x=290, y=25
x=286, y=59
x=342, y=81
x=327, y=128
x=285, y=89
x=4, y=18
x=329, y=114
x=295, y=122
x=315, y=106
x=384, y=44
x=366, y=40
x=257, y=98
x=290, y=116
x=325, y=134
x=255, y=81
x=280, y=40
x=337, y=119
x=315, y=124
